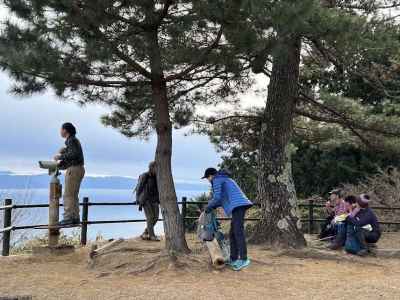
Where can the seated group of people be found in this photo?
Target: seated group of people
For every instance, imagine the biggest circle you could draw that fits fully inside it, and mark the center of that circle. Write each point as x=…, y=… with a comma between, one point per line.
x=351, y=223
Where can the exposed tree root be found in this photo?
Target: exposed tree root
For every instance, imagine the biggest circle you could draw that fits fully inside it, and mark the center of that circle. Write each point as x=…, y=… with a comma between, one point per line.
x=134, y=257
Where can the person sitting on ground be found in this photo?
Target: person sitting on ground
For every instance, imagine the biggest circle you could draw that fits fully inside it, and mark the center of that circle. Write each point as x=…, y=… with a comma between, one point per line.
x=148, y=199
x=362, y=227
x=334, y=208
x=340, y=224
x=70, y=158
x=228, y=195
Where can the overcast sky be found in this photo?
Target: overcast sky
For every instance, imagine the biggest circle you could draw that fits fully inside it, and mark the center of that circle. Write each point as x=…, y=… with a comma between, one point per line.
x=29, y=131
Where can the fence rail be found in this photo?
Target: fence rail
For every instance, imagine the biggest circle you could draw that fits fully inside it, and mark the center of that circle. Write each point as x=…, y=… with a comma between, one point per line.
x=9, y=207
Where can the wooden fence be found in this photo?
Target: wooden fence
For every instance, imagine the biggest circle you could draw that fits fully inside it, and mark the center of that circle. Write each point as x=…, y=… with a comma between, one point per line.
x=8, y=208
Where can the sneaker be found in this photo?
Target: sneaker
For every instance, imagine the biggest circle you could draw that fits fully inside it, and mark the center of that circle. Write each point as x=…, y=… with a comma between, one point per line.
x=362, y=253
x=232, y=262
x=241, y=264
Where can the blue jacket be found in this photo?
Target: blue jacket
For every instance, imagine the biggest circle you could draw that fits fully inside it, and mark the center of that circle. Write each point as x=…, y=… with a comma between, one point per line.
x=227, y=193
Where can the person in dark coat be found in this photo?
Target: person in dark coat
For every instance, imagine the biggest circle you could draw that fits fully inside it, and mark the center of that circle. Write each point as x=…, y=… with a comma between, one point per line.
x=70, y=158
x=148, y=199
x=362, y=228
x=227, y=194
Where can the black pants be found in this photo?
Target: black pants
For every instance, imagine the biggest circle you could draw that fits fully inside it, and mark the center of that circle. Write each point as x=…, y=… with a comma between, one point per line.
x=236, y=234
x=366, y=237
x=151, y=211
x=326, y=228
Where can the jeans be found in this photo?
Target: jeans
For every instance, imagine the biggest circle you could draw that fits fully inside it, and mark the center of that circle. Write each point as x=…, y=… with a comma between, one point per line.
x=357, y=238
x=341, y=231
x=236, y=235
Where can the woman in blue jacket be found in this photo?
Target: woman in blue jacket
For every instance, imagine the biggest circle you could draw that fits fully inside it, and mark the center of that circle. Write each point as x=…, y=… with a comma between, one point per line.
x=228, y=195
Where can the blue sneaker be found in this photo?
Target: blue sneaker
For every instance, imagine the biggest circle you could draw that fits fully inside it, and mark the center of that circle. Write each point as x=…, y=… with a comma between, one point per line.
x=232, y=263
x=241, y=264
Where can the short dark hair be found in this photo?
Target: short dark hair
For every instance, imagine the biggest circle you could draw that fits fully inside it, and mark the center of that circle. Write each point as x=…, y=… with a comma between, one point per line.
x=209, y=171
x=351, y=199
x=68, y=127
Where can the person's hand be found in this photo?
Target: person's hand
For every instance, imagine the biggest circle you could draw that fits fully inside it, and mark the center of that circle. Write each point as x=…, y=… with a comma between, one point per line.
x=328, y=204
x=57, y=157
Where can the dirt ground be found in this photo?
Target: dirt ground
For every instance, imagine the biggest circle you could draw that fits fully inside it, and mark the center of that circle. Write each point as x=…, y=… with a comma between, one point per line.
x=137, y=270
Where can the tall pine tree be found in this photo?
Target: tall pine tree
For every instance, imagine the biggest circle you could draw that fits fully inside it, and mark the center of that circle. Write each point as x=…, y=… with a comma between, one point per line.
x=147, y=59
x=336, y=36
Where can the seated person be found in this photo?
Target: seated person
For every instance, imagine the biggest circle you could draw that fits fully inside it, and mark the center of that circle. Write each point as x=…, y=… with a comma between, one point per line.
x=334, y=207
x=340, y=224
x=362, y=227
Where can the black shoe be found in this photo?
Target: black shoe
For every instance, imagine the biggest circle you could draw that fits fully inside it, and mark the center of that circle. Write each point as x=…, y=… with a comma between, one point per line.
x=362, y=253
x=334, y=246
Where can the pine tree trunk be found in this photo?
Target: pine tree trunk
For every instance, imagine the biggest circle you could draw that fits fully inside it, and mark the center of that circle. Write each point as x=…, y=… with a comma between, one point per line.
x=280, y=224
x=173, y=225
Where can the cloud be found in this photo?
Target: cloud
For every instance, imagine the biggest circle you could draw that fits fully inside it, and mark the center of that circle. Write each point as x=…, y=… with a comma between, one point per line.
x=30, y=132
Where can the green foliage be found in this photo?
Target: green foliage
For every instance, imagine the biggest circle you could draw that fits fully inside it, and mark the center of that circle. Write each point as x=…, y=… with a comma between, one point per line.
x=327, y=155
x=317, y=170
x=109, y=51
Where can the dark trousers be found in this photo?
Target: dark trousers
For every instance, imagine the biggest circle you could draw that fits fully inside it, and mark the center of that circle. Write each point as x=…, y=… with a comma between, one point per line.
x=151, y=211
x=357, y=238
x=367, y=237
x=236, y=235
x=340, y=234
x=326, y=228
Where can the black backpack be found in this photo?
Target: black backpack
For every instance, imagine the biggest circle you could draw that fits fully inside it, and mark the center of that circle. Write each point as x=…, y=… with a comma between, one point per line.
x=146, y=189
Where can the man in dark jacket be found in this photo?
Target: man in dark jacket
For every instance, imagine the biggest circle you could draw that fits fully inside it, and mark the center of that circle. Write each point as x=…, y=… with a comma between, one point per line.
x=228, y=195
x=71, y=159
x=362, y=227
x=148, y=198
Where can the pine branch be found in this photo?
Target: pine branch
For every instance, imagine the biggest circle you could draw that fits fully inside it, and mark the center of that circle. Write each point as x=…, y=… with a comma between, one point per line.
x=80, y=80
x=202, y=58
x=341, y=118
x=114, y=46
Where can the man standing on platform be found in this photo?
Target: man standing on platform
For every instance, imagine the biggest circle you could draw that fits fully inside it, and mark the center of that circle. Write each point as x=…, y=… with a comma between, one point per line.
x=148, y=199
x=71, y=159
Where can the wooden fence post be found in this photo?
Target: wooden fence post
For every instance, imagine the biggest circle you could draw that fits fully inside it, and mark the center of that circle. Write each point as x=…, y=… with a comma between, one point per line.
x=85, y=214
x=7, y=223
x=184, y=207
x=310, y=216
x=54, y=210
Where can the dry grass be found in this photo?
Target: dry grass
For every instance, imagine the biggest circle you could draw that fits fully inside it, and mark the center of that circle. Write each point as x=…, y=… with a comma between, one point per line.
x=117, y=275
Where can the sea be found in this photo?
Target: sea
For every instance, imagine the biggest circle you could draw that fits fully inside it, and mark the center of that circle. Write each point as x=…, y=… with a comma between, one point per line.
x=96, y=213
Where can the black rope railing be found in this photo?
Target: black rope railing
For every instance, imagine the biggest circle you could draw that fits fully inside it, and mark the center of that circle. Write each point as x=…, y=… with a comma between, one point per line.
x=8, y=207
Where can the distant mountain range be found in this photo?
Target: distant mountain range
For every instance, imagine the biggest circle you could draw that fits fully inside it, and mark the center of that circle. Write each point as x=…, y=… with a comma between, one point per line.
x=8, y=180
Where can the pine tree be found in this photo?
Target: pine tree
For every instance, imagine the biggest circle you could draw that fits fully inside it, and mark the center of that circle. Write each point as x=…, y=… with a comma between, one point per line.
x=151, y=61
x=339, y=38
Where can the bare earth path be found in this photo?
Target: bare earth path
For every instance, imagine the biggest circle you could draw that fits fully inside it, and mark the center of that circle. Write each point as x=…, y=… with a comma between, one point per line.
x=270, y=276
